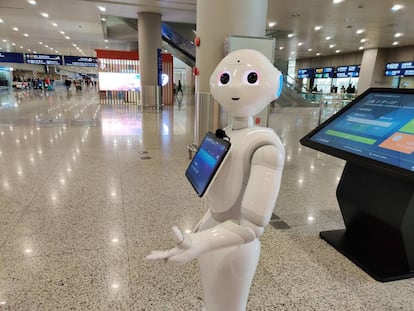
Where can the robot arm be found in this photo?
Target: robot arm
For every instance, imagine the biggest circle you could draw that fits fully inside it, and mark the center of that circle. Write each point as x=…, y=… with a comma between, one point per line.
x=263, y=187
x=257, y=206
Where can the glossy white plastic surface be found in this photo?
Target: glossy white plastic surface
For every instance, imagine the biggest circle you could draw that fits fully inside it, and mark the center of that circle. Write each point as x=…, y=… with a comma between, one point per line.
x=241, y=199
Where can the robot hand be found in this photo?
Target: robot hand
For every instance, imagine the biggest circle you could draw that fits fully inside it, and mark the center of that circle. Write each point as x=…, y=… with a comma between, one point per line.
x=185, y=251
x=190, y=246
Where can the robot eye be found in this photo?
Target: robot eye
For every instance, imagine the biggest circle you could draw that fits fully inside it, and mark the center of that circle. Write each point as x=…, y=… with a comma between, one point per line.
x=251, y=77
x=224, y=78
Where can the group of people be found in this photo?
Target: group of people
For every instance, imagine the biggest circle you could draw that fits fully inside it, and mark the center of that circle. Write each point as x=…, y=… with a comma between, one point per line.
x=35, y=83
x=334, y=89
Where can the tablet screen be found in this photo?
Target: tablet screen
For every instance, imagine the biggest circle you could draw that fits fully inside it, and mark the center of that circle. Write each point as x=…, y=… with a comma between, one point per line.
x=206, y=162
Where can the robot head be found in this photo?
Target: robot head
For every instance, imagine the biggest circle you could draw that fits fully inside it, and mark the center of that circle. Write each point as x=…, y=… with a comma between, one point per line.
x=244, y=82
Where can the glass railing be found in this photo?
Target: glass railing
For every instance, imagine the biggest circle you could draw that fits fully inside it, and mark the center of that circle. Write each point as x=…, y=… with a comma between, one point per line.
x=329, y=104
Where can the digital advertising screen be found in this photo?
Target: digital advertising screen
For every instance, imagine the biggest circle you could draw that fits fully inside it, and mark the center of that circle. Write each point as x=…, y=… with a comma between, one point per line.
x=206, y=162
x=377, y=129
x=117, y=81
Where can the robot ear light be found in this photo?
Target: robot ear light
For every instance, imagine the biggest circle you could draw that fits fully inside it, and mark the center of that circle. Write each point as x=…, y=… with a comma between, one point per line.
x=279, y=90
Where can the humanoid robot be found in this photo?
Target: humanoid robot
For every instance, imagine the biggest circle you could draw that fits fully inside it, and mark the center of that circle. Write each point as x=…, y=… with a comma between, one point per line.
x=241, y=198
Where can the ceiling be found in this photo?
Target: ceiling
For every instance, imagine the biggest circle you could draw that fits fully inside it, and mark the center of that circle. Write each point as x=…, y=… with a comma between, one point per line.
x=75, y=27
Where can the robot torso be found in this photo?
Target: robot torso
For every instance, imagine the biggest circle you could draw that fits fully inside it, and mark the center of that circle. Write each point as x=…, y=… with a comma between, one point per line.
x=226, y=192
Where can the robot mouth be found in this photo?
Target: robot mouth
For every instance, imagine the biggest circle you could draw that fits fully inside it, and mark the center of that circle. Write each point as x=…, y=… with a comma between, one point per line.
x=235, y=98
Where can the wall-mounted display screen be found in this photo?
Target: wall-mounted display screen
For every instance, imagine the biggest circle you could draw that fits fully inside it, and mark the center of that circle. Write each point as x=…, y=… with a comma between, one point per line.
x=305, y=73
x=399, y=69
x=377, y=129
x=347, y=71
x=325, y=72
x=116, y=81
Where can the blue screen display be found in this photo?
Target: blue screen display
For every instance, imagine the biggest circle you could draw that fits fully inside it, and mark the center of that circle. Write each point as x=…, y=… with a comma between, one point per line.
x=206, y=162
x=378, y=126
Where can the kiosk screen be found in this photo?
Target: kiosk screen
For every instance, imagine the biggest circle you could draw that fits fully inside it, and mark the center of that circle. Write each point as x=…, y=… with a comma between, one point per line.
x=376, y=128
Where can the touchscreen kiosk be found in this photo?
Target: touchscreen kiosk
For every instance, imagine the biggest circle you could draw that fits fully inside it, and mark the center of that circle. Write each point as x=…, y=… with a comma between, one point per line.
x=375, y=135
x=376, y=129
x=206, y=162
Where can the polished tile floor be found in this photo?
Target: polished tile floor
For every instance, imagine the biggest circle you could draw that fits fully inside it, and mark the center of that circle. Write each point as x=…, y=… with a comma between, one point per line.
x=88, y=190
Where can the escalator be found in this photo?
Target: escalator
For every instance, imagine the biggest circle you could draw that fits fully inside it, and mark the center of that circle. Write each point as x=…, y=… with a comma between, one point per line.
x=126, y=29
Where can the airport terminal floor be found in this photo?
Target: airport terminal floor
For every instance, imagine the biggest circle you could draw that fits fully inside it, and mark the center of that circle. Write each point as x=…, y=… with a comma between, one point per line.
x=88, y=190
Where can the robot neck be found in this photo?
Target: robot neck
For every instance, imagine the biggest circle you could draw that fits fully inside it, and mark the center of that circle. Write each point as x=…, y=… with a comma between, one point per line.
x=242, y=122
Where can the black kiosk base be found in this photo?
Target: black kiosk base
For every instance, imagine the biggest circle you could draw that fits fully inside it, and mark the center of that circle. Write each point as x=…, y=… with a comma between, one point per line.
x=378, y=211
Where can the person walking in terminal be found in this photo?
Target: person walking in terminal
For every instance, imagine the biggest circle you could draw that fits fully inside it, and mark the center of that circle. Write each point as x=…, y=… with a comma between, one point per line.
x=242, y=196
x=180, y=88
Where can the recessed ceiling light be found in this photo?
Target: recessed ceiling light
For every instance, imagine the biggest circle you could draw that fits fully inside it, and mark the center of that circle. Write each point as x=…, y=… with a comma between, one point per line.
x=4, y=40
x=272, y=24
x=317, y=28
x=310, y=50
x=46, y=46
x=44, y=14
x=62, y=32
x=337, y=51
x=26, y=35
x=359, y=31
x=281, y=47
x=74, y=45
x=291, y=35
x=395, y=43
x=361, y=48
x=328, y=38
x=292, y=52
x=363, y=40
x=106, y=47
x=398, y=34
x=106, y=40
x=1, y=21
x=32, y=2
x=103, y=19
x=54, y=24
x=337, y=1
x=331, y=46
x=67, y=38
x=13, y=43
x=40, y=42
x=15, y=29
x=397, y=7
x=317, y=54
x=101, y=8
x=300, y=43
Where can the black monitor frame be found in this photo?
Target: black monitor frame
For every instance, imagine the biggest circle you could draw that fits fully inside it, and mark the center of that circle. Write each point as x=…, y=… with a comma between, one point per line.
x=351, y=157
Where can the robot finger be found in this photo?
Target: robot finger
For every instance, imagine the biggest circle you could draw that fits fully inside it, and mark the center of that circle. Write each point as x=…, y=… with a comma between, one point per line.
x=183, y=241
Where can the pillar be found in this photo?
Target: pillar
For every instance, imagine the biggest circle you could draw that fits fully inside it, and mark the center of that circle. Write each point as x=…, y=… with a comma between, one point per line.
x=217, y=20
x=149, y=40
x=372, y=69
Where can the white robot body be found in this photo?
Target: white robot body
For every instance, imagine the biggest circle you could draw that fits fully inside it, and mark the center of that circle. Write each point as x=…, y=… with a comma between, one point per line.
x=243, y=194
x=227, y=191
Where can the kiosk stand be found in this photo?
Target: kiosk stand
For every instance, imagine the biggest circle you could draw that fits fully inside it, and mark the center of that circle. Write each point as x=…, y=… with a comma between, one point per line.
x=375, y=135
x=378, y=211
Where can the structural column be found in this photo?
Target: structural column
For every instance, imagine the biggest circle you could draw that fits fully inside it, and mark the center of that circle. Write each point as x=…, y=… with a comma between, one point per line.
x=216, y=21
x=372, y=70
x=149, y=40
